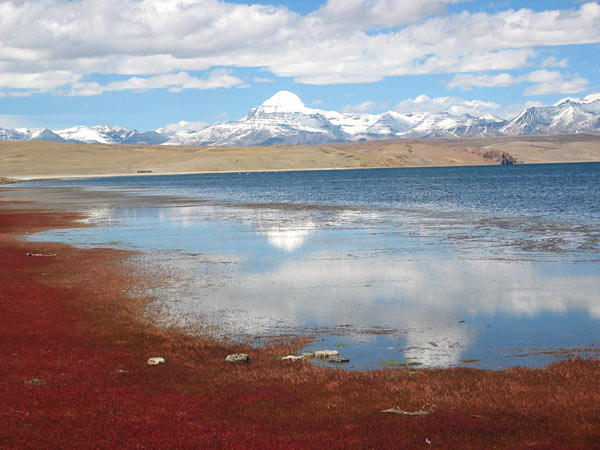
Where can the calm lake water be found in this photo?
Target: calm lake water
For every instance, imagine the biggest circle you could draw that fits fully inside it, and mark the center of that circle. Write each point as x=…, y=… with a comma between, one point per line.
x=499, y=265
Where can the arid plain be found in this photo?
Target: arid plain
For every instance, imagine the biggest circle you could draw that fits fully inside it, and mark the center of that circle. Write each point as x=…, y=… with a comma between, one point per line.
x=39, y=159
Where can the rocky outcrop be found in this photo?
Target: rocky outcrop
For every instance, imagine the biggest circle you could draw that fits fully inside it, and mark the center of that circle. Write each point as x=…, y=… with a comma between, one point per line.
x=502, y=158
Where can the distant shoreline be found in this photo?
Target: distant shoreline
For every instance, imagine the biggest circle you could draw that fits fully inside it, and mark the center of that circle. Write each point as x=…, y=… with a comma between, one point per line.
x=48, y=160
x=105, y=175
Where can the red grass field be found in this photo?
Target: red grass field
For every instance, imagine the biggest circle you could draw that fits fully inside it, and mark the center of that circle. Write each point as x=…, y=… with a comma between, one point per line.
x=66, y=321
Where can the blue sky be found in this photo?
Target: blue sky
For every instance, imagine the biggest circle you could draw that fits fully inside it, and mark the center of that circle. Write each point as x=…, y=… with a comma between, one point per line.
x=145, y=64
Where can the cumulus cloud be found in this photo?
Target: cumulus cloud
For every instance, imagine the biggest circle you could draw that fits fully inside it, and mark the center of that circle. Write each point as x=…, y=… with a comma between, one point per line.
x=363, y=107
x=41, y=81
x=183, y=126
x=544, y=82
x=558, y=85
x=467, y=81
x=459, y=106
x=382, y=13
x=453, y=105
x=173, y=82
x=344, y=41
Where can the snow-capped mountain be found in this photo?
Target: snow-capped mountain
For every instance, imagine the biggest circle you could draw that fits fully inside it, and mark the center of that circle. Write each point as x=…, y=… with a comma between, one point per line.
x=284, y=119
x=85, y=135
x=565, y=117
x=94, y=135
x=110, y=135
x=26, y=134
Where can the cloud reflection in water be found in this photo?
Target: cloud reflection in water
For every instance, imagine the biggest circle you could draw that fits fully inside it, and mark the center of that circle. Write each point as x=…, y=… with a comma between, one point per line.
x=350, y=275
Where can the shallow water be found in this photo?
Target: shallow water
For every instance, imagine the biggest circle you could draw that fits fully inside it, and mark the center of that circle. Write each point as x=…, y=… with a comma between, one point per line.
x=423, y=266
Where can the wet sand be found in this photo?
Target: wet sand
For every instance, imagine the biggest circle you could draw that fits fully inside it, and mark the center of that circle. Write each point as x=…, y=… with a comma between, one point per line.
x=73, y=357
x=38, y=159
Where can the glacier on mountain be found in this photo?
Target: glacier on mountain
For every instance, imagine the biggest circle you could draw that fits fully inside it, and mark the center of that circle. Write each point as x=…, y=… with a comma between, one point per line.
x=285, y=119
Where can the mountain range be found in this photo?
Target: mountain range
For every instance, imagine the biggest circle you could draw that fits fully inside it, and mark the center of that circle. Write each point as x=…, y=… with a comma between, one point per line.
x=284, y=119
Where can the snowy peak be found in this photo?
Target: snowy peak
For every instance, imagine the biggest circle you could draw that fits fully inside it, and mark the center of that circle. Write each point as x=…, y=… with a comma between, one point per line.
x=44, y=134
x=491, y=118
x=283, y=101
x=283, y=104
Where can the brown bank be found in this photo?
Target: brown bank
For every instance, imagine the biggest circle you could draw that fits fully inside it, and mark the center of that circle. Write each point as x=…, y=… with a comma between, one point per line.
x=38, y=159
x=73, y=364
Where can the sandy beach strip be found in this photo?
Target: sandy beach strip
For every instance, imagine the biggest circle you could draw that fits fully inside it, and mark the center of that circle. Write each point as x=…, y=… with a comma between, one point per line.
x=74, y=350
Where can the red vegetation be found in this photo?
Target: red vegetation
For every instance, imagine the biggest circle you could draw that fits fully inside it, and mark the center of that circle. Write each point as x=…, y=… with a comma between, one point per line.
x=66, y=321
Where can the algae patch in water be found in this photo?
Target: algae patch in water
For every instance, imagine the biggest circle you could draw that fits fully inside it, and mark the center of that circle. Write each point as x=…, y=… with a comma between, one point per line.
x=392, y=363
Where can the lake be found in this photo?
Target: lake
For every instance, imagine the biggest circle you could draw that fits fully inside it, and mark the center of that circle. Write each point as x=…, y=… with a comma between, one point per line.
x=490, y=267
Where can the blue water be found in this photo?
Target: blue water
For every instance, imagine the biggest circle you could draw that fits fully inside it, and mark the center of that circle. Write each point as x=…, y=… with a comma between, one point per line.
x=430, y=266
x=555, y=191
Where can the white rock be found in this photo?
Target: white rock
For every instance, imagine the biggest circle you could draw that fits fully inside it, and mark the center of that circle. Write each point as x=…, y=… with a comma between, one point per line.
x=156, y=361
x=238, y=358
x=324, y=354
x=292, y=358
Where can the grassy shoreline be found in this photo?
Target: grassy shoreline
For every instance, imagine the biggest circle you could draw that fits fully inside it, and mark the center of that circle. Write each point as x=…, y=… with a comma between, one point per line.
x=69, y=324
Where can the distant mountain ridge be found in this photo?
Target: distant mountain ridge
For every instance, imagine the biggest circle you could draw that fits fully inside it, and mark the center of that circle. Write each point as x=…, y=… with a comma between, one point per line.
x=284, y=119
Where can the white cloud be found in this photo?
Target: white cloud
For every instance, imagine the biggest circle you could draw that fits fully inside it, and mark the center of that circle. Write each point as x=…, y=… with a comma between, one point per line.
x=572, y=86
x=175, y=82
x=16, y=94
x=453, y=105
x=544, y=82
x=183, y=126
x=467, y=81
x=363, y=107
x=459, y=106
x=381, y=13
x=551, y=61
x=263, y=80
x=41, y=81
x=345, y=41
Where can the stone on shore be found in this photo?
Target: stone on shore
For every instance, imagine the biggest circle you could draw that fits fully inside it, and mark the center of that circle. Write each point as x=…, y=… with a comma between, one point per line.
x=324, y=354
x=155, y=361
x=238, y=358
x=292, y=358
x=308, y=355
x=338, y=360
